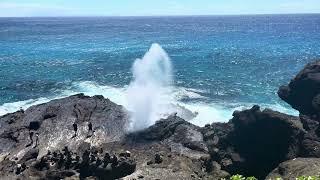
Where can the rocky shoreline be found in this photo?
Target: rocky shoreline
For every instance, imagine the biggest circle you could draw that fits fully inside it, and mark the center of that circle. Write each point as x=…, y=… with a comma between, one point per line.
x=42, y=142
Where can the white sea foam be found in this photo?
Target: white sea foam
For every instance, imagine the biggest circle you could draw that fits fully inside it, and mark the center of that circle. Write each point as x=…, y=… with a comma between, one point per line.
x=117, y=95
x=14, y=106
x=219, y=112
x=188, y=93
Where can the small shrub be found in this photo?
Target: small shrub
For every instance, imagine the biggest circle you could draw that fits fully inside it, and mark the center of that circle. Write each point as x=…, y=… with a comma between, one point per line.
x=251, y=178
x=237, y=177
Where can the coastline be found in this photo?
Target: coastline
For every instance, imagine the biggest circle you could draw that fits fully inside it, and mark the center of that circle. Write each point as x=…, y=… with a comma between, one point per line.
x=222, y=111
x=254, y=142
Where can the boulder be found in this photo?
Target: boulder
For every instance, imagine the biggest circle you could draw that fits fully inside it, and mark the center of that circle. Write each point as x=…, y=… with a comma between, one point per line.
x=303, y=92
x=297, y=167
x=259, y=141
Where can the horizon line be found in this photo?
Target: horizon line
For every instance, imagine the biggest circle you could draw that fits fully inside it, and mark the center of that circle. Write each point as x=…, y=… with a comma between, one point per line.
x=200, y=15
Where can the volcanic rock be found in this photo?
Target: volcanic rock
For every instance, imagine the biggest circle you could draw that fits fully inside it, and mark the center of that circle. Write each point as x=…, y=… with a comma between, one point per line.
x=51, y=125
x=181, y=136
x=257, y=142
x=303, y=92
x=295, y=168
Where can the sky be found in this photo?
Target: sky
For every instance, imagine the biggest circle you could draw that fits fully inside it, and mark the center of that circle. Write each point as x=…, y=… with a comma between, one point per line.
x=27, y=8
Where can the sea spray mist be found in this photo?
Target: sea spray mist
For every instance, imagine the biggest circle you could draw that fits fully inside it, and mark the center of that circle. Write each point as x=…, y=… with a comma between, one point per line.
x=149, y=89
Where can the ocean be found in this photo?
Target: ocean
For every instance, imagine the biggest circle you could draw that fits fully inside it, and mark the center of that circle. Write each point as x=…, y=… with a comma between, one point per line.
x=219, y=63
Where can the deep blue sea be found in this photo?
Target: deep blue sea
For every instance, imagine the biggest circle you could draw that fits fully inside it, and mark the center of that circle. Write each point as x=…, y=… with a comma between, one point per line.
x=220, y=63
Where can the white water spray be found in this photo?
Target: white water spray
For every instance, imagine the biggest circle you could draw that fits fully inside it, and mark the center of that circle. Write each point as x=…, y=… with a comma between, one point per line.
x=150, y=87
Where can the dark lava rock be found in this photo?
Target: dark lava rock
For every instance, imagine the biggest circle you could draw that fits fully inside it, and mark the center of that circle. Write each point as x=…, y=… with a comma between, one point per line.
x=295, y=168
x=158, y=159
x=125, y=154
x=303, y=91
x=303, y=94
x=34, y=125
x=67, y=165
x=26, y=136
x=310, y=146
x=180, y=135
x=31, y=154
x=50, y=125
x=56, y=174
x=259, y=141
x=162, y=129
x=308, y=123
x=7, y=167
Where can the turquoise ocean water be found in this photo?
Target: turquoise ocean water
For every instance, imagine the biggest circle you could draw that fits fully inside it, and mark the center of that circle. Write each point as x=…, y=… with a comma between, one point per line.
x=220, y=63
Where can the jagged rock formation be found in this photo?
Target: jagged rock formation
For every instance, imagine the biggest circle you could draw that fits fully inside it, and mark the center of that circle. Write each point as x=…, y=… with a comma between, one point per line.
x=303, y=92
x=257, y=141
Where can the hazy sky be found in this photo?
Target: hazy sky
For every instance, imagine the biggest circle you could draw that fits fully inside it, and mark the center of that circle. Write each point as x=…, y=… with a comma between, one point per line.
x=153, y=7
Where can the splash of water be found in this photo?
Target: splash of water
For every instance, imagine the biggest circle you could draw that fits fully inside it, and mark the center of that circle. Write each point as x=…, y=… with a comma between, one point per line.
x=149, y=89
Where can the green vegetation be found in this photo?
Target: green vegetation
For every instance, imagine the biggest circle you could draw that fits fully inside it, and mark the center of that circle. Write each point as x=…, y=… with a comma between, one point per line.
x=308, y=178
x=240, y=177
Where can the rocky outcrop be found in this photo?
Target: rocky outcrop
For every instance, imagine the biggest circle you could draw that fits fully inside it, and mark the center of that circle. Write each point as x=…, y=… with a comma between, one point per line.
x=181, y=136
x=303, y=92
x=171, y=148
x=49, y=126
x=296, y=168
x=257, y=141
